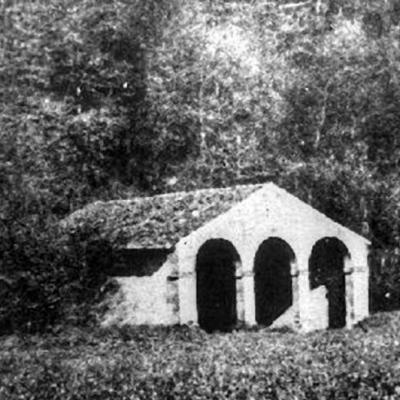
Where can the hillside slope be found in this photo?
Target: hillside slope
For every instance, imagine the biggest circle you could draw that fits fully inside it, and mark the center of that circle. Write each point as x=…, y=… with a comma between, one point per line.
x=105, y=100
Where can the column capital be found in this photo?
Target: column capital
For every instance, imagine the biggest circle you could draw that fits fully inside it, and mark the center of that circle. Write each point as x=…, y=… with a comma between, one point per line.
x=302, y=271
x=360, y=268
x=186, y=274
x=295, y=273
x=348, y=270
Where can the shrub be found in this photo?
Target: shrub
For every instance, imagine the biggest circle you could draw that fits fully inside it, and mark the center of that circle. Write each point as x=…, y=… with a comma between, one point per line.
x=182, y=362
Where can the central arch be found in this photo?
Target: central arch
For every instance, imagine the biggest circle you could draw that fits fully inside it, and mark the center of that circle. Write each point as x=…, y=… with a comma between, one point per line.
x=326, y=266
x=272, y=280
x=216, y=263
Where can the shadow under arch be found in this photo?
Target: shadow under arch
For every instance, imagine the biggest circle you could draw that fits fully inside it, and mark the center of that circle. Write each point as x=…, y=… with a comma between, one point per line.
x=273, y=280
x=216, y=264
x=327, y=268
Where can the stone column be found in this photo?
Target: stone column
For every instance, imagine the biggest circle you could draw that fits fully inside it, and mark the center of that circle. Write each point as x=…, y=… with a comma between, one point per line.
x=303, y=298
x=349, y=291
x=240, y=308
x=173, y=297
x=360, y=280
x=304, y=293
x=294, y=272
x=173, y=287
x=187, y=298
x=249, y=298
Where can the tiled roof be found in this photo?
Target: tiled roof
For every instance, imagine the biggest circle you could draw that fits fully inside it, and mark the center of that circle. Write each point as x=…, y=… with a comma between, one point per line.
x=159, y=221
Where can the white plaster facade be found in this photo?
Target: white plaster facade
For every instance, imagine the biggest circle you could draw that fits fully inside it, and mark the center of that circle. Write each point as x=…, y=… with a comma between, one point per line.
x=268, y=212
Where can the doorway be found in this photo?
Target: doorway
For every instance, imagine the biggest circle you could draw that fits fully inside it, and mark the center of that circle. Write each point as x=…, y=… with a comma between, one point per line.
x=326, y=266
x=216, y=285
x=272, y=280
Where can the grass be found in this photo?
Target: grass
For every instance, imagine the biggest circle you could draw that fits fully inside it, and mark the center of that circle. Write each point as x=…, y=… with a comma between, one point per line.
x=186, y=363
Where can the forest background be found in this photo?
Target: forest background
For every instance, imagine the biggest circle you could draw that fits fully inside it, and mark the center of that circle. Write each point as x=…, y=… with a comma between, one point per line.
x=106, y=100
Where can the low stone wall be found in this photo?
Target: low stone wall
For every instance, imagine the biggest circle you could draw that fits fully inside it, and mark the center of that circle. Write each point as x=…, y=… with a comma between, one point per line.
x=144, y=300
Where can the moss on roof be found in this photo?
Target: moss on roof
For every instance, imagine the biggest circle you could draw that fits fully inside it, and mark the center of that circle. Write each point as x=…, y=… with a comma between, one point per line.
x=159, y=221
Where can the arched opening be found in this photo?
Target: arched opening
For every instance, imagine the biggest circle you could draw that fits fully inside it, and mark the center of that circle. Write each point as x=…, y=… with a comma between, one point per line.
x=216, y=285
x=272, y=280
x=326, y=266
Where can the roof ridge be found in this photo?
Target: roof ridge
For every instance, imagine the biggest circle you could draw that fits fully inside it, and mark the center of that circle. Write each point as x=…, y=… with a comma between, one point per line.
x=165, y=218
x=185, y=192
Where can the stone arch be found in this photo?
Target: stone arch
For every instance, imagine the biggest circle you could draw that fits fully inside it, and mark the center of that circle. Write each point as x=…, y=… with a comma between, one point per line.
x=274, y=266
x=216, y=264
x=327, y=268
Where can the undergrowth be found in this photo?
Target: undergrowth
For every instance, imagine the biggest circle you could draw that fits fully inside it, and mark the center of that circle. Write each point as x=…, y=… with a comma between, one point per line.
x=186, y=363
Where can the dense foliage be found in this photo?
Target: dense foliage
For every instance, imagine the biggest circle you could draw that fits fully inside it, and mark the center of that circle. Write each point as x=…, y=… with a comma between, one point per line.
x=186, y=363
x=104, y=100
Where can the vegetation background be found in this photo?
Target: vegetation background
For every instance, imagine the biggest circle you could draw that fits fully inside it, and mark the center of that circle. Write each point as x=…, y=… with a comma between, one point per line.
x=105, y=100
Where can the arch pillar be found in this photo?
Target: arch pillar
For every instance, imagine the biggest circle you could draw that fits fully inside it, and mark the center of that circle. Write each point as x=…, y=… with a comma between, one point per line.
x=187, y=298
x=300, y=285
x=294, y=273
x=349, y=287
x=186, y=282
x=359, y=281
x=246, y=298
x=303, y=295
x=240, y=304
x=249, y=302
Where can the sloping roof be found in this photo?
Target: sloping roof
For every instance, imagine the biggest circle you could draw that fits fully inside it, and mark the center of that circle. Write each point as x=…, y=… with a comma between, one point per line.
x=158, y=221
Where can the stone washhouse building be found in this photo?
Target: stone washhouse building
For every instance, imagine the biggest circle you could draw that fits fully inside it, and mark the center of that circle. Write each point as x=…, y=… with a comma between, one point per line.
x=221, y=258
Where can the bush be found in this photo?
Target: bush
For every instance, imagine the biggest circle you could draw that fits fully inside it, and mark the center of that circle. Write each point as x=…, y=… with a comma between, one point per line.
x=56, y=278
x=182, y=362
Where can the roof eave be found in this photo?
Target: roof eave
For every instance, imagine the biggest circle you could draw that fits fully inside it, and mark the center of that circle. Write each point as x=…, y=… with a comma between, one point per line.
x=139, y=246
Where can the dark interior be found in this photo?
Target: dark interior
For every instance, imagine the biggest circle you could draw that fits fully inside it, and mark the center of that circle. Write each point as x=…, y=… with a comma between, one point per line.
x=272, y=280
x=327, y=268
x=138, y=262
x=216, y=285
